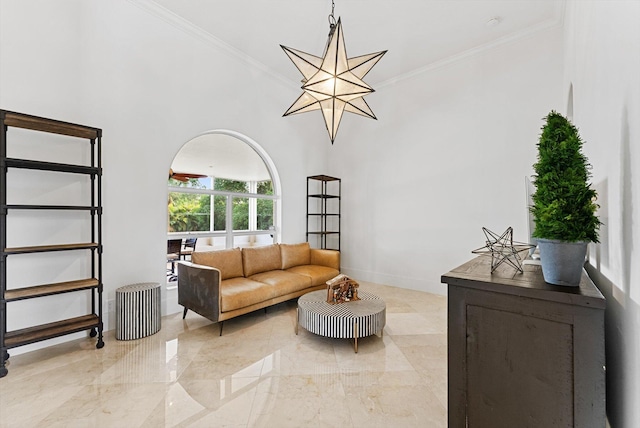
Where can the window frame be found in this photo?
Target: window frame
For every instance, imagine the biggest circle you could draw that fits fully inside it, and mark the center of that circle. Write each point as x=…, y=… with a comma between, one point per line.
x=229, y=233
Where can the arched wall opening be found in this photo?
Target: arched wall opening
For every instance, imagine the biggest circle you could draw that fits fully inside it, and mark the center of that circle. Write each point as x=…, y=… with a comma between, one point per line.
x=223, y=191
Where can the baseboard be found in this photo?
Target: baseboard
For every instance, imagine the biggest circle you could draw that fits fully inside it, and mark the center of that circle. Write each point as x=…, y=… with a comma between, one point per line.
x=420, y=284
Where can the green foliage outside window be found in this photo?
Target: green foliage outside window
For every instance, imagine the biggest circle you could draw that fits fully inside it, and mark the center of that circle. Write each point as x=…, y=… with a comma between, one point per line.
x=188, y=211
x=220, y=205
x=265, y=206
x=192, y=212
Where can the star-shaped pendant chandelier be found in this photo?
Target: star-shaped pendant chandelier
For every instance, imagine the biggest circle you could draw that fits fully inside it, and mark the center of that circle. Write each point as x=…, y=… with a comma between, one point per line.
x=333, y=83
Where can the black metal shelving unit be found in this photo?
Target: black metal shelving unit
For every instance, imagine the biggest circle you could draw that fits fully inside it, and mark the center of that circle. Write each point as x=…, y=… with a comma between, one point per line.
x=323, y=205
x=93, y=284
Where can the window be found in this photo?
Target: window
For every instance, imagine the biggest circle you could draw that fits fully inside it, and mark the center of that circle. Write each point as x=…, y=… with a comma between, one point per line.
x=265, y=206
x=191, y=211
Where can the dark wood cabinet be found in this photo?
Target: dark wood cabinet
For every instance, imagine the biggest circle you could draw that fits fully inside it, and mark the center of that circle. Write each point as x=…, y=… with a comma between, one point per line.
x=91, y=282
x=521, y=352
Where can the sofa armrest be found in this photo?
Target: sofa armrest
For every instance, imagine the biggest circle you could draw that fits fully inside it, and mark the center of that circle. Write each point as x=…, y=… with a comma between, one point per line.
x=199, y=289
x=329, y=258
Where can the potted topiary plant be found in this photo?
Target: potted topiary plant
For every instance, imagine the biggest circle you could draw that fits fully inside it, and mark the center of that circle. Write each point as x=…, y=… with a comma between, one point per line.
x=564, y=203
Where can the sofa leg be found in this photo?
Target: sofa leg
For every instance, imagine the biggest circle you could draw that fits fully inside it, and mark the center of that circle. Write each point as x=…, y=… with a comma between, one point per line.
x=221, y=324
x=184, y=313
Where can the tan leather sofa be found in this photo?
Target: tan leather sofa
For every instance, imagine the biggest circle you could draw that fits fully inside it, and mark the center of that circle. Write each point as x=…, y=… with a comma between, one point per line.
x=220, y=285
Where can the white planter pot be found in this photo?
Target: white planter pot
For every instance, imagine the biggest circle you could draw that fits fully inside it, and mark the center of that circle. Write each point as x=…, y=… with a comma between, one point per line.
x=562, y=261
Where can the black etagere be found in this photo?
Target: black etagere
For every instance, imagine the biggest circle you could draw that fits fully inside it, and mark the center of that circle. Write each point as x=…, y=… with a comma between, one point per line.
x=323, y=210
x=92, y=284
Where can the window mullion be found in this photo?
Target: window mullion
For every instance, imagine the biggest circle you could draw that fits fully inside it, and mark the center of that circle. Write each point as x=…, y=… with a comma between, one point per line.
x=229, y=222
x=212, y=210
x=253, y=206
x=219, y=192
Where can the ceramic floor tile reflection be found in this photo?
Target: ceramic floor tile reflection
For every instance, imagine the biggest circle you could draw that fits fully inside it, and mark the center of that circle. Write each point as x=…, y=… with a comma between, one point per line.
x=414, y=323
x=259, y=373
x=399, y=399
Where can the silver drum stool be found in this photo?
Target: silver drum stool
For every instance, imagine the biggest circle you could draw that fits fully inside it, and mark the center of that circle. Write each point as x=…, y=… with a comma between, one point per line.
x=361, y=318
x=137, y=310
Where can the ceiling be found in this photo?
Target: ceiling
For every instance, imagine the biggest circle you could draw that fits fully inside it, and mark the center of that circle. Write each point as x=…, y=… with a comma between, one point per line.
x=220, y=155
x=418, y=34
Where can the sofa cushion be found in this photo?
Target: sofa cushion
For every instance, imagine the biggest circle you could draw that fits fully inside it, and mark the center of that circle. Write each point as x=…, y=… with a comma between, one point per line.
x=283, y=282
x=295, y=254
x=318, y=275
x=261, y=259
x=228, y=262
x=330, y=258
x=237, y=293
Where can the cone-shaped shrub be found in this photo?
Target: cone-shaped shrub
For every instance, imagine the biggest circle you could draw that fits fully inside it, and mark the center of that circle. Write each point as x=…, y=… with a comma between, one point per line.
x=564, y=203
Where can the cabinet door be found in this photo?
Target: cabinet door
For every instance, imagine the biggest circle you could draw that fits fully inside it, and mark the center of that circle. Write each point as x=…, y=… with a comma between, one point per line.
x=519, y=370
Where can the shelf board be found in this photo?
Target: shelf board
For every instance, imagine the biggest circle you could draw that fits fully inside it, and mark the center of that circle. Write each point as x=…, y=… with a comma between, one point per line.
x=47, y=248
x=51, y=166
x=323, y=177
x=25, y=121
x=322, y=233
x=50, y=289
x=48, y=331
x=320, y=195
x=325, y=214
x=51, y=207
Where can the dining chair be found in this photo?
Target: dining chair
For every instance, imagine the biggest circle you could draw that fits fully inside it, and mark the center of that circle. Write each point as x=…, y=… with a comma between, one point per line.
x=174, y=249
x=188, y=247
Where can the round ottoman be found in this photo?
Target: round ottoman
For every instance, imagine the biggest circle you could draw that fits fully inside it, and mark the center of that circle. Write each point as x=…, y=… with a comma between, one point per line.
x=138, y=310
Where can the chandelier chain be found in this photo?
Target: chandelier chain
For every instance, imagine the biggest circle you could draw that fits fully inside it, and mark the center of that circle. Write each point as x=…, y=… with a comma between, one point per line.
x=332, y=19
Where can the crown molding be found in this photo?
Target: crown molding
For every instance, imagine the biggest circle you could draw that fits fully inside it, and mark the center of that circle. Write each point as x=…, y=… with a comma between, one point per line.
x=556, y=21
x=182, y=24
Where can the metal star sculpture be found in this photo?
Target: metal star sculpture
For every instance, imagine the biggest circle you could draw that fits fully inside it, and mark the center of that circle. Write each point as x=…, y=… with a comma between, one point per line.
x=503, y=249
x=333, y=83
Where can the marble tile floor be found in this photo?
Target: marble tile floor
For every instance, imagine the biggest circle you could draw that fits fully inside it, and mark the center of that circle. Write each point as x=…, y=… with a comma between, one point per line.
x=257, y=374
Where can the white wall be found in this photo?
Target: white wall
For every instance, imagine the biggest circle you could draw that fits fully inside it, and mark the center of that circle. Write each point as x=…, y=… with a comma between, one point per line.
x=151, y=87
x=448, y=155
x=602, y=45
